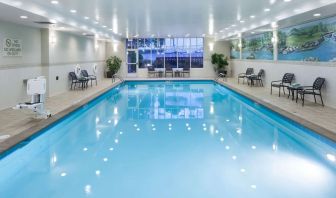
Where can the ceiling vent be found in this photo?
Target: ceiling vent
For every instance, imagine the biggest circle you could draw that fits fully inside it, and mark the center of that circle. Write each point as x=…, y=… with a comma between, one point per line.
x=90, y=35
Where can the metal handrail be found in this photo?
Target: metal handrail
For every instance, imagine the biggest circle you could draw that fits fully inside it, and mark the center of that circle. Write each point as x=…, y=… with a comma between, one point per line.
x=117, y=76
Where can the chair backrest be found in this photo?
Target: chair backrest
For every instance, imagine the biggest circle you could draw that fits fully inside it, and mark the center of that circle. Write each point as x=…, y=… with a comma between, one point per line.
x=151, y=68
x=261, y=73
x=169, y=68
x=288, y=78
x=318, y=83
x=73, y=76
x=249, y=71
x=85, y=73
x=186, y=68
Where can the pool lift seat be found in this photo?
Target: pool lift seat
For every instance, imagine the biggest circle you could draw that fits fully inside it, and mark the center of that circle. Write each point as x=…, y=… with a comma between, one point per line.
x=36, y=88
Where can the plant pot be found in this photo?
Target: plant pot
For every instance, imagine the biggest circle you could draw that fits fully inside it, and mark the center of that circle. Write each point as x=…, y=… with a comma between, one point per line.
x=109, y=74
x=223, y=71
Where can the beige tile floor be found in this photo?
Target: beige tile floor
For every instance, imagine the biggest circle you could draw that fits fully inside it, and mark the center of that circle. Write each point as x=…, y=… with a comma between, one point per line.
x=314, y=116
x=16, y=125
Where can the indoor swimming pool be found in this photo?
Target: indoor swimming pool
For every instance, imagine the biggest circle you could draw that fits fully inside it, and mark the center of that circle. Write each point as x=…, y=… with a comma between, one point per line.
x=171, y=139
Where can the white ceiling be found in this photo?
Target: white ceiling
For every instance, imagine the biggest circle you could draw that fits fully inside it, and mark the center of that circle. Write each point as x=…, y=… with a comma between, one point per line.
x=160, y=18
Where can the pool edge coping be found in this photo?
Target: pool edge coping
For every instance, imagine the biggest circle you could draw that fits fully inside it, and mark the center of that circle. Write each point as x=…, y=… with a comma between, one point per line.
x=318, y=129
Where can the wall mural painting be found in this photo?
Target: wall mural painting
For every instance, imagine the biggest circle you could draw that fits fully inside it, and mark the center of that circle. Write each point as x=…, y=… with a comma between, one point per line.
x=258, y=46
x=234, y=49
x=313, y=41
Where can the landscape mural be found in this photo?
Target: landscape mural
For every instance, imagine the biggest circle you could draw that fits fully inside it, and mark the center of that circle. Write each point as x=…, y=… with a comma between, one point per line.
x=234, y=49
x=258, y=46
x=313, y=41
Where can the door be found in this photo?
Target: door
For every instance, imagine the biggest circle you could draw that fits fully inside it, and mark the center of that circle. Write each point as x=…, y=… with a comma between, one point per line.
x=132, y=63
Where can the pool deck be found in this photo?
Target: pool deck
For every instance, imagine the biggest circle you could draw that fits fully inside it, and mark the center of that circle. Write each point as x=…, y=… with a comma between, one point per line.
x=313, y=116
x=18, y=125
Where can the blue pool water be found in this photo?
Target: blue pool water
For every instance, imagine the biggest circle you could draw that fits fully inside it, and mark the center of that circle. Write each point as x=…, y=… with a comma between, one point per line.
x=171, y=139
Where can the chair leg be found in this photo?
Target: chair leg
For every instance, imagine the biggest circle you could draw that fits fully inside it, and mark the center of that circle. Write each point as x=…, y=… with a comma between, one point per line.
x=271, y=89
x=315, y=98
x=279, y=91
x=321, y=100
x=303, y=99
x=283, y=88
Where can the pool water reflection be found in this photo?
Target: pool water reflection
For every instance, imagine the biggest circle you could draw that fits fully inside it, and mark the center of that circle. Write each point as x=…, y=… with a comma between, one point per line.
x=172, y=139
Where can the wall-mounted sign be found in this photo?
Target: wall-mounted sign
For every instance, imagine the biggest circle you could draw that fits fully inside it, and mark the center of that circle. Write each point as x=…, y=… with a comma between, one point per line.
x=12, y=47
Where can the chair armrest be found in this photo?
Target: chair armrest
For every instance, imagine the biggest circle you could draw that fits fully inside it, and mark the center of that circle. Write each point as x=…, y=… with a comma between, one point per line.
x=276, y=81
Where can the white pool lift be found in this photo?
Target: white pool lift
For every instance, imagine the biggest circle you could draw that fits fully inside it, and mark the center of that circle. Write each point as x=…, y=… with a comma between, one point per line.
x=36, y=88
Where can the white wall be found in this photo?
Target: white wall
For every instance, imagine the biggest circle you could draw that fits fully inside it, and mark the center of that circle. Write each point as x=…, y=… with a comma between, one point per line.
x=305, y=74
x=13, y=70
x=40, y=57
x=68, y=51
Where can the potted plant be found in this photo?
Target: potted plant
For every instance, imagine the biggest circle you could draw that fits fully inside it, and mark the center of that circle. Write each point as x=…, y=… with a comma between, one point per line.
x=113, y=64
x=220, y=62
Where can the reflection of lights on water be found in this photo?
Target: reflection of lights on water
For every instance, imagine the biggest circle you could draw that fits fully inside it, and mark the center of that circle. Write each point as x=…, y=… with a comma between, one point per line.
x=115, y=111
x=53, y=159
x=63, y=174
x=110, y=121
x=212, y=129
x=189, y=129
x=98, y=172
x=135, y=125
x=275, y=147
x=121, y=133
x=85, y=149
x=169, y=124
x=88, y=189
x=234, y=157
x=331, y=157
x=116, y=141
x=212, y=109
x=138, y=129
x=240, y=118
x=253, y=147
x=115, y=122
x=227, y=147
x=239, y=131
x=170, y=129
x=97, y=120
x=111, y=149
x=153, y=125
x=105, y=159
x=98, y=133
x=154, y=129
x=216, y=131
x=204, y=125
x=242, y=170
x=187, y=124
x=253, y=186
x=204, y=129
x=227, y=120
x=222, y=139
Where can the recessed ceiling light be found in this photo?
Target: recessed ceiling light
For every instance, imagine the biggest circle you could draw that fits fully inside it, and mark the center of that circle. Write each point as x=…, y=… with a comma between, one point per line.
x=96, y=22
x=104, y=26
x=233, y=25
x=252, y=32
x=267, y=9
x=84, y=34
x=242, y=21
x=111, y=29
x=54, y=2
x=73, y=11
x=252, y=16
x=23, y=17
x=62, y=27
x=317, y=15
x=86, y=18
x=169, y=35
x=53, y=21
x=287, y=0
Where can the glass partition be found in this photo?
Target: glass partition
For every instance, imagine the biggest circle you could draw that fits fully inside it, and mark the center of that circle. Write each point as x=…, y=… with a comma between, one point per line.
x=168, y=52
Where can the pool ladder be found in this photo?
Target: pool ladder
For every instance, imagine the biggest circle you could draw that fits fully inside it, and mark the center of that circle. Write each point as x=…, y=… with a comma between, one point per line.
x=117, y=76
x=220, y=75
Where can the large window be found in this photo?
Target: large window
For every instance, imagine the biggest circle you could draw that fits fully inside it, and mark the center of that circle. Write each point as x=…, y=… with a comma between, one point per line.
x=168, y=52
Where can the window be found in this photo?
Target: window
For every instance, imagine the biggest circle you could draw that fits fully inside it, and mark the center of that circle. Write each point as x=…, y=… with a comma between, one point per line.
x=168, y=52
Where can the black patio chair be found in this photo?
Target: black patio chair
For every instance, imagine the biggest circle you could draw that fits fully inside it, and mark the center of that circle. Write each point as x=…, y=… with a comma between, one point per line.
x=314, y=90
x=169, y=71
x=91, y=78
x=249, y=72
x=287, y=80
x=74, y=81
x=257, y=78
x=186, y=70
x=151, y=72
